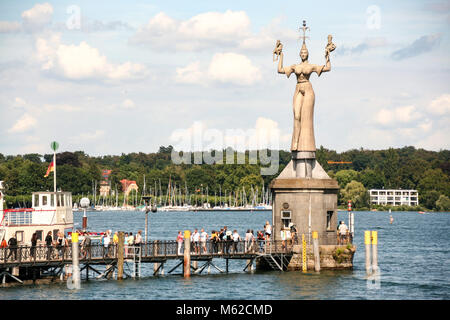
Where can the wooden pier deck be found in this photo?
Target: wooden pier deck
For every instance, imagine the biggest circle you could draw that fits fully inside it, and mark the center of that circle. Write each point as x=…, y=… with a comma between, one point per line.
x=160, y=252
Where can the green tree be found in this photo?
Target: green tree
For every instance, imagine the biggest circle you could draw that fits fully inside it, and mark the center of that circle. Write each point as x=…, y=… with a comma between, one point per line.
x=443, y=203
x=434, y=179
x=372, y=179
x=355, y=192
x=345, y=176
x=429, y=198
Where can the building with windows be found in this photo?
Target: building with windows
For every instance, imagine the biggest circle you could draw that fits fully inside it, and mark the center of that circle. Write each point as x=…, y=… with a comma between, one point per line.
x=394, y=197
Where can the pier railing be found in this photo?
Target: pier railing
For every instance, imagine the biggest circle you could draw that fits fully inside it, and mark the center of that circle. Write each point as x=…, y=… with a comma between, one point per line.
x=97, y=253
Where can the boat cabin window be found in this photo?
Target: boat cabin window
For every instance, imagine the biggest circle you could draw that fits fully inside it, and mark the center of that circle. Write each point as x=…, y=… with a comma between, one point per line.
x=52, y=200
x=36, y=200
x=44, y=200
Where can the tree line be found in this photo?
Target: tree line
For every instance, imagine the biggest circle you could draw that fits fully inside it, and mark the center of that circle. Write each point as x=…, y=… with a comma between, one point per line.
x=393, y=168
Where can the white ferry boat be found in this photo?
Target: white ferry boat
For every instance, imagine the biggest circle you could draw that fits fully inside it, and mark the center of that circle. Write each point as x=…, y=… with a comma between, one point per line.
x=50, y=211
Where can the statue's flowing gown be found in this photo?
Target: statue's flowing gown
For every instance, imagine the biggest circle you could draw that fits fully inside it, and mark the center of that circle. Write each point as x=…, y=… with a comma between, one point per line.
x=303, y=105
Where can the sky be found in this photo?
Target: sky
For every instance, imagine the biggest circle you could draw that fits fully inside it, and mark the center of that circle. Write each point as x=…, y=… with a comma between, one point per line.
x=112, y=77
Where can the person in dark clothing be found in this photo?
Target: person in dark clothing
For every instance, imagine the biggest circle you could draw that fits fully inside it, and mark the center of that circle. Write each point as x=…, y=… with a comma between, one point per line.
x=33, y=245
x=12, y=243
x=49, y=243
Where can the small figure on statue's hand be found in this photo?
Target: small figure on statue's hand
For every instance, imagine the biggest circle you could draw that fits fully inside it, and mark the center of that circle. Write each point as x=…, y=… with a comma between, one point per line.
x=277, y=50
x=330, y=46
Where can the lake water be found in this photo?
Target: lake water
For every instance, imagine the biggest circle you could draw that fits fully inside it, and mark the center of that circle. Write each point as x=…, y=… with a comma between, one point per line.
x=413, y=256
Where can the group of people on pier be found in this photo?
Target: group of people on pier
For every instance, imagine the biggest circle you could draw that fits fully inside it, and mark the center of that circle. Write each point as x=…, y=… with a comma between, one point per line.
x=225, y=241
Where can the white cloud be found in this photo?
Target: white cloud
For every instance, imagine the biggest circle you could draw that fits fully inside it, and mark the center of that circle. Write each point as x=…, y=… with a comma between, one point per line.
x=10, y=26
x=192, y=74
x=82, y=61
x=37, y=17
x=440, y=106
x=229, y=29
x=400, y=115
x=61, y=107
x=233, y=68
x=25, y=123
x=199, y=32
x=87, y=136
x=224, y=67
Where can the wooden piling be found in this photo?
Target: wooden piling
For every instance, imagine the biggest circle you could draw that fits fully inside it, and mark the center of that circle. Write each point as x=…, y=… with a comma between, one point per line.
x=76, y=279
x=250, y=265
x=316, y=251
x=156, y=265
x=374, y=251
x=120, y=257
x=367, y=242
x=187, y=254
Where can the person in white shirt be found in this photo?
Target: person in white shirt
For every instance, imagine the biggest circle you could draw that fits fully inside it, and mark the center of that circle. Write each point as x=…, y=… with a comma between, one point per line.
x=203, y=238
x=195, y=240
x=268, y=230
x=236, y=239
x=343, y=229
x=106, y=241
x=248, y=240
x=138, y=241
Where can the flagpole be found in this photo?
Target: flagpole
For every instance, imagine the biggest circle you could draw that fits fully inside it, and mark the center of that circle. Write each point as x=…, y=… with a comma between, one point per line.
x=54, y=145
x=54, y=171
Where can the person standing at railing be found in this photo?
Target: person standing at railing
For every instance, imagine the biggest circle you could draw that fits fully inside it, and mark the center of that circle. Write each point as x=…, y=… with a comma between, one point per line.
x=33, y=245
x=268, y=230
x=236, y=239
x=253, y=241
x=214, y=241
x=60, y=244
x=12, y=244
x=138, y=241
x=294, y=237
x=260, y=238
x=179, y=242
x=221, y=240
x=106, y=241
x=203, y=238
x=343, y=230
x=125, y=244
x=248, y=240
x=196, y=240
x=283, y=239
x=228, y=241
x=86, y=246
x=49, y=244
x=130, y=240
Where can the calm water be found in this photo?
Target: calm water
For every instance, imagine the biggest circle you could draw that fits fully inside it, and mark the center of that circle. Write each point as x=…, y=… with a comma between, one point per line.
x=414, y=258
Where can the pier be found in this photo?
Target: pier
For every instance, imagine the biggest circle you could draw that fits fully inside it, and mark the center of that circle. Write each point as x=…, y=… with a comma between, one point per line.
x=40, y=261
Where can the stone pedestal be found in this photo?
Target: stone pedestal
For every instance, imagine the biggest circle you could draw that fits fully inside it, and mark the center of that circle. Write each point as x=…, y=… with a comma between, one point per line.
x=310, y=203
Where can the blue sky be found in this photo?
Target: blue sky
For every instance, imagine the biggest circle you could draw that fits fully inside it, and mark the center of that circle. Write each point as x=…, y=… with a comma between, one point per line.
x=129, y=76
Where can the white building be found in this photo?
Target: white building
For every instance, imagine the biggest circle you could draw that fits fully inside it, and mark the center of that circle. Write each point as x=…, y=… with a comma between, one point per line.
x=394, y=197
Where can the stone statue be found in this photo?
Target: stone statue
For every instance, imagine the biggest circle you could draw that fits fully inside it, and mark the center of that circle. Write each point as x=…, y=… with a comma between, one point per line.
x=303, y=143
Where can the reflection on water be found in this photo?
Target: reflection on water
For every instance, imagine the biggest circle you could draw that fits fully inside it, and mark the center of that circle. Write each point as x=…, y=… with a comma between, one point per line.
x=414, y=254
